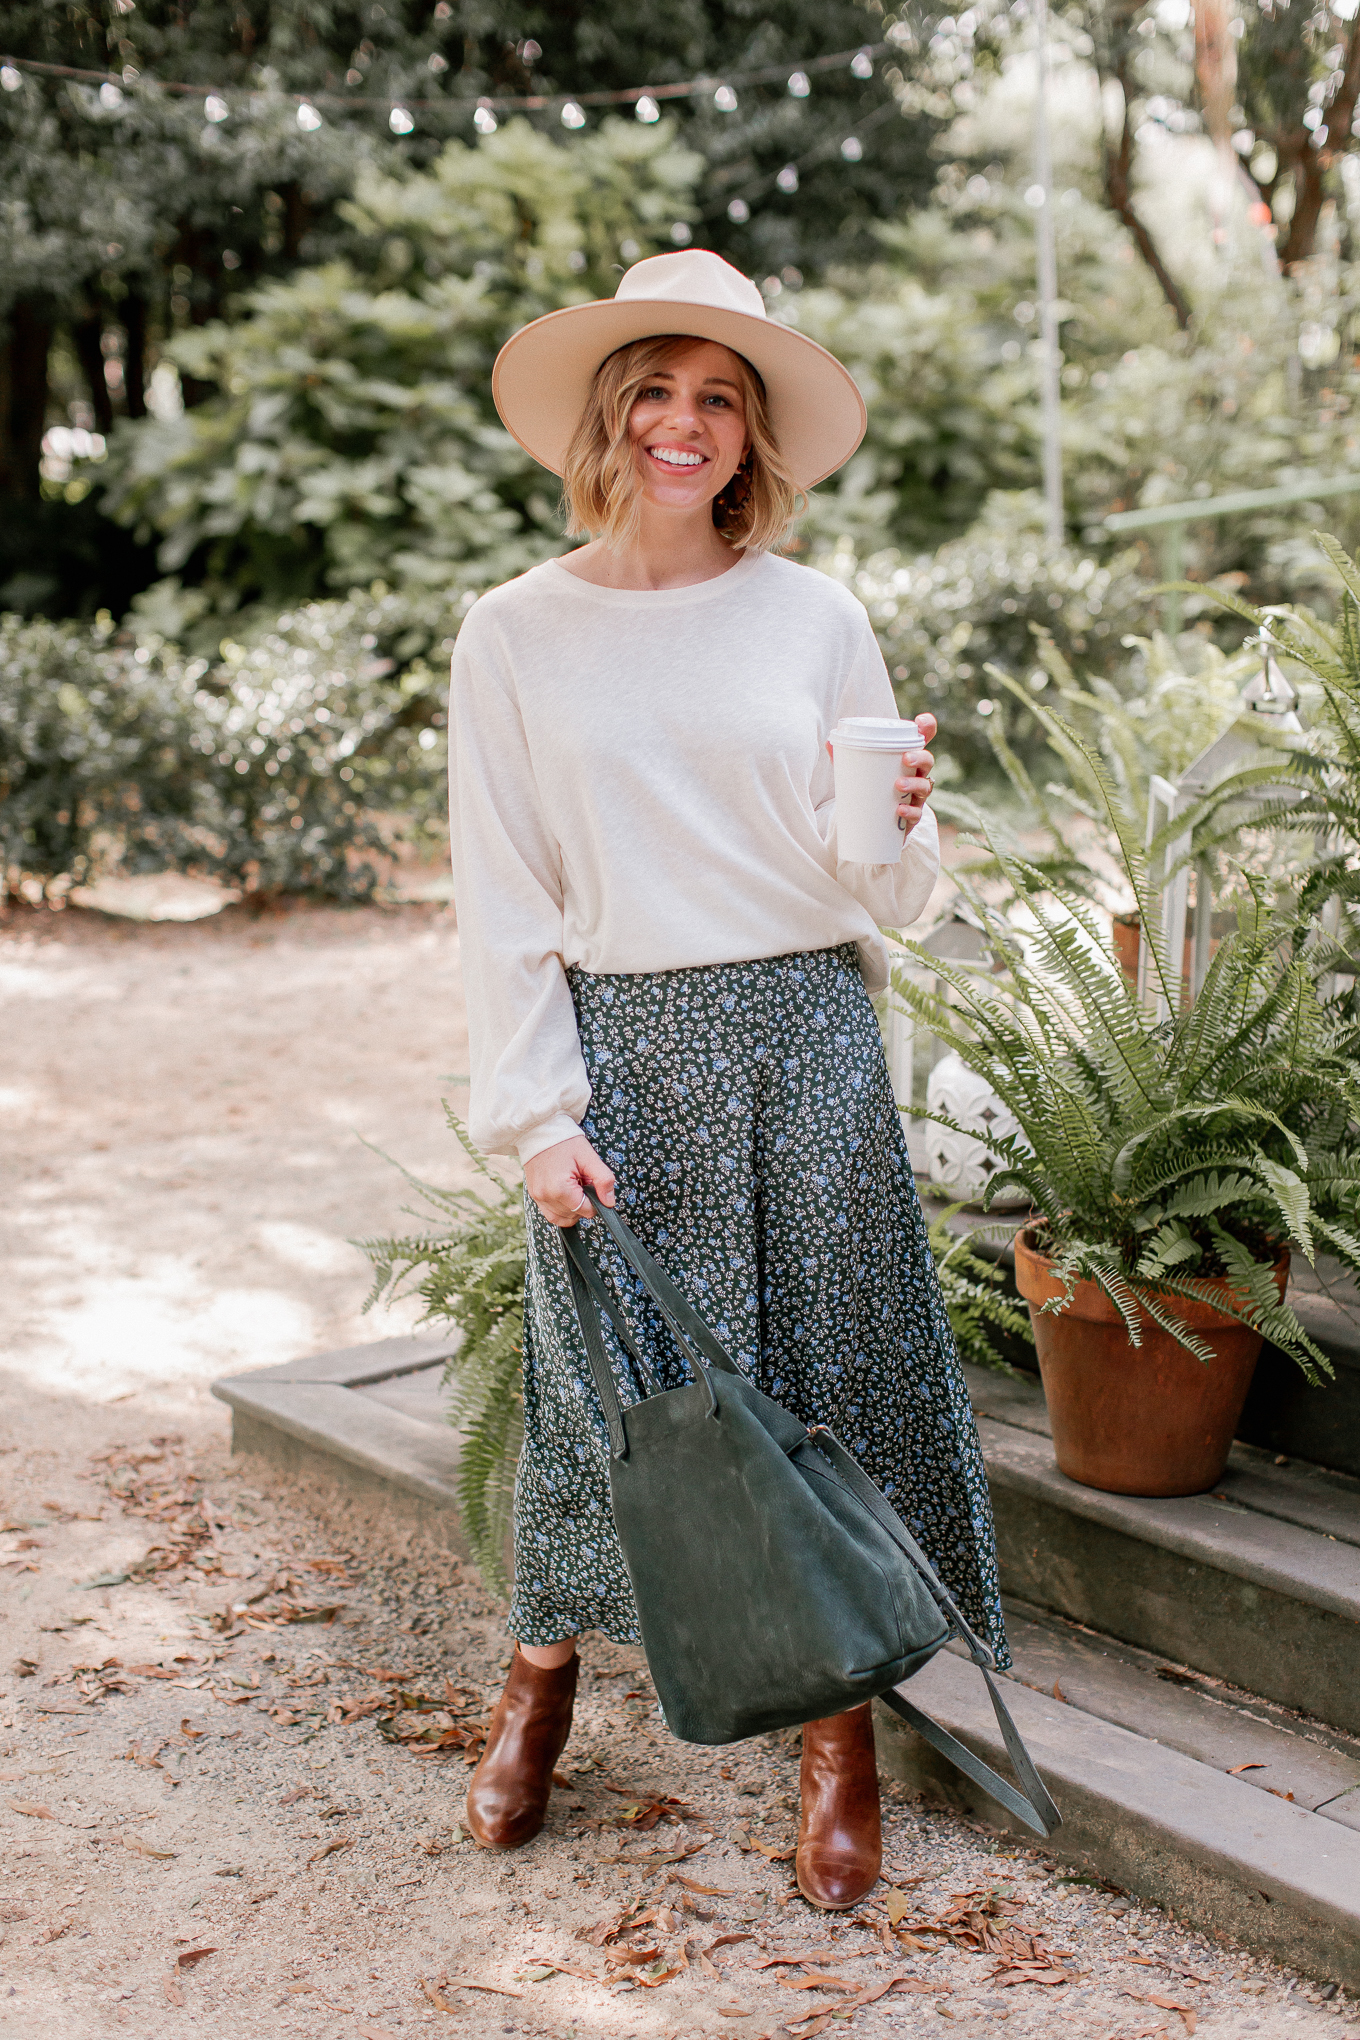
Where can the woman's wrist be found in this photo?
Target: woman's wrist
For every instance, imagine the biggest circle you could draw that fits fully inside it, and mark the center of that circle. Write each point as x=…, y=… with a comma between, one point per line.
x=549, y=1133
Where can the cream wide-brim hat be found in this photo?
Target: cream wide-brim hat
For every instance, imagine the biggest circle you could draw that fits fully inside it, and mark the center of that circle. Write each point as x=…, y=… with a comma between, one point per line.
x=543, y=374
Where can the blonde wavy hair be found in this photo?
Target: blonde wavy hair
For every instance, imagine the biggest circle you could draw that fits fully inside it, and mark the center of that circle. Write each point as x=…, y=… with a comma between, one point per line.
x=601, y=485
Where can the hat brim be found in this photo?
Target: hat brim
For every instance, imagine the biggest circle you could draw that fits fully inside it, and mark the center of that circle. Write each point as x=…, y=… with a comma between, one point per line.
x=543, y=376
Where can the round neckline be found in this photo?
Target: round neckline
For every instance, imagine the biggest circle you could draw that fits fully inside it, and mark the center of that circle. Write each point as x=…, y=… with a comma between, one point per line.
x=693, y=591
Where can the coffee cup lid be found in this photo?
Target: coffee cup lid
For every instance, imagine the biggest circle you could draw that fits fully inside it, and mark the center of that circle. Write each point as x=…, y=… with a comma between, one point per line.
x=878, y=733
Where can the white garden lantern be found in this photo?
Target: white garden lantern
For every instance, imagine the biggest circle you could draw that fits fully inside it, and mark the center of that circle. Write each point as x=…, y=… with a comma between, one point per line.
x=963, y=1164
x=958, y=1165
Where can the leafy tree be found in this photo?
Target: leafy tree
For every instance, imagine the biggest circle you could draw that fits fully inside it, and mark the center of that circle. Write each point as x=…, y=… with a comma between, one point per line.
x=354, y=435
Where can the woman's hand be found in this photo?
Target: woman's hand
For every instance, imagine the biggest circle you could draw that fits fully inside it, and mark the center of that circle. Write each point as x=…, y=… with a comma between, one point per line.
x=915, y=785
x=554, y=1178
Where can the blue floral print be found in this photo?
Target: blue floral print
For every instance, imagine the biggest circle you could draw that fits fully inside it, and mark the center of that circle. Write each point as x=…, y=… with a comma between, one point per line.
x=747, y=1114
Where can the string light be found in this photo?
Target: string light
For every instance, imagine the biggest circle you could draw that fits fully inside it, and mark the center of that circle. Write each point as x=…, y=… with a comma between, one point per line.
x=797, y=81
x=646, y=110
x=215, y=109
x=308, y=119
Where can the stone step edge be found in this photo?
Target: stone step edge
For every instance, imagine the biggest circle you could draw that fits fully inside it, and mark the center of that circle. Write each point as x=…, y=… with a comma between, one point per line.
x=1229, y=1859
x=353, y=1440
x=1302, y=1564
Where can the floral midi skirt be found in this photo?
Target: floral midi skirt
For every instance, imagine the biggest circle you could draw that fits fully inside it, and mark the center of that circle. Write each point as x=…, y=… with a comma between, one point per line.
x=747, y=1114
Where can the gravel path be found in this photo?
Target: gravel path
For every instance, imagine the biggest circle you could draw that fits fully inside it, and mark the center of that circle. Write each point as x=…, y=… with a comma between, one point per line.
x=228, y=1725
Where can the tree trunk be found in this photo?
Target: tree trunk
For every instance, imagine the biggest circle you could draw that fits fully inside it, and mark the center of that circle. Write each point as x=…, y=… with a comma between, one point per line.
x=297, y=217
x=134, y=361
x=1119, y=196
x=23, y=401
x=1306, y=164
x=87, y=333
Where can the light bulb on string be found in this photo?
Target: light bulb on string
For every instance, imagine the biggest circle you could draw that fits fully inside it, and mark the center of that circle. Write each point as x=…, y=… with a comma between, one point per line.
x=861, y=65
x=215, y=108
x=852, y=148
x=682, y=234
x=484, y=120
x=725, y=99
x=739, y=212
x=799, y=85
x=647, y=109
x=787, y=180
x=10, y=78
x=308, y=119
x=572, y=115
x=400, y=121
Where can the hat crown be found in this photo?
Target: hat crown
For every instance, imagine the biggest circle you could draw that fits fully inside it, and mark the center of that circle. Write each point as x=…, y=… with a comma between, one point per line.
x=691, y=276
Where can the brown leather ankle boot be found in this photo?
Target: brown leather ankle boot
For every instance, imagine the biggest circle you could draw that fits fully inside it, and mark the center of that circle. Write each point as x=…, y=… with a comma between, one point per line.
x=840, y=1839
x=508, y=1796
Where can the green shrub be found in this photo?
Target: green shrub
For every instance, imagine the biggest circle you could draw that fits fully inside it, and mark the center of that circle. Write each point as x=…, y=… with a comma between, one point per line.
x=95, y=752
x=290, y=764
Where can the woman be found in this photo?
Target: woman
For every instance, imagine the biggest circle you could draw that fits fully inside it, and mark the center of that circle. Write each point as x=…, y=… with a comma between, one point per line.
x=668, y=972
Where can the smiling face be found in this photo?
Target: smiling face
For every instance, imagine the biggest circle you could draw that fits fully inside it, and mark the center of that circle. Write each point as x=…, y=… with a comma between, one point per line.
x=688, y=426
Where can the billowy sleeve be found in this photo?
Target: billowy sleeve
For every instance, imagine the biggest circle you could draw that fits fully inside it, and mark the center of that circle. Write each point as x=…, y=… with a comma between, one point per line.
x=529, y=1084
x=895, y=894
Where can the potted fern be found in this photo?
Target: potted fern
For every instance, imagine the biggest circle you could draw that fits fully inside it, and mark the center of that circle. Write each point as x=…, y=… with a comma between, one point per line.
x=1173, y=1166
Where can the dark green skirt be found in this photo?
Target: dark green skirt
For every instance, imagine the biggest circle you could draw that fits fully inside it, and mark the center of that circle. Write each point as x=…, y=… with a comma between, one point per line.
x=746, y=1111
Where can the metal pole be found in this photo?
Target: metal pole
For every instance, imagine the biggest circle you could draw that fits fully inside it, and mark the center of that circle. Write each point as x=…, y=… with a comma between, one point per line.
x=1048, y=291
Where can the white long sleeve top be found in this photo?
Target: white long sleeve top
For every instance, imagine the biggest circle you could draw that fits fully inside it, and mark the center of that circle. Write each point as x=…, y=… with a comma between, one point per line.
x=640, y=782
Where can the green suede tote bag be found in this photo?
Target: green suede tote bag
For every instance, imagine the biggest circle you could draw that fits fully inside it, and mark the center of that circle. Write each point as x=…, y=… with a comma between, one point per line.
x=774, y=1583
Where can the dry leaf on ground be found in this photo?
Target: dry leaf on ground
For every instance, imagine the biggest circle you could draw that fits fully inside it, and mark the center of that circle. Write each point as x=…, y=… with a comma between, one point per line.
x=173, y=1994
x=330, y=1848
x=193, y=1955
x=139, y=1847
x=31, y=1809
x=1188, y=2014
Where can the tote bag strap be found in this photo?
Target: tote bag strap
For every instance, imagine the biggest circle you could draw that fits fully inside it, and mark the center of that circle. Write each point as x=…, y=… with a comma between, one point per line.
x=1032, y=1804
x=591, y=1297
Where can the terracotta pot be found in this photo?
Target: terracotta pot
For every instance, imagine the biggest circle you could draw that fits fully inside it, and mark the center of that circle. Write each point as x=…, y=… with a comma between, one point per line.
x=1137, y=1420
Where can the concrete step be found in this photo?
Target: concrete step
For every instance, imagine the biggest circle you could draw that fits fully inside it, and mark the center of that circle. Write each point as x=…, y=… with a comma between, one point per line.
x=367, y=1422
x=1257, y=1584
x=1141, y=1770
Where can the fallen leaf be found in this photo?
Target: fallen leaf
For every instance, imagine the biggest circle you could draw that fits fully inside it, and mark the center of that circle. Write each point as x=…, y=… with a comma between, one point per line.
x=104, y=1579
x=329, y=1848
x=193, y=1955
x=733, y=2012
x=32, y=1809
x=899, y=1905
x=467, y=1983
x=143, y=1848
x=1058, y=1693
x=704, y=1890
x=550, y=1965
x=194, y=1734
x=441, y=2004
x=1236, y=1770
x=173, y=1994
x=773, y=1855
x=816, y=1980
x=725, y=1940
x=1165, y=2004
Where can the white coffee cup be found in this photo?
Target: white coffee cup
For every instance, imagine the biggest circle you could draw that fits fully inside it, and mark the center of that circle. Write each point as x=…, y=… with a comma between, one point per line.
x=867, y=752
